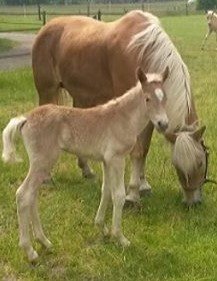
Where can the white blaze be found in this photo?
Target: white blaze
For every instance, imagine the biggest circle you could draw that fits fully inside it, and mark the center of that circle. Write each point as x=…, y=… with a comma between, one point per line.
x=159, y=93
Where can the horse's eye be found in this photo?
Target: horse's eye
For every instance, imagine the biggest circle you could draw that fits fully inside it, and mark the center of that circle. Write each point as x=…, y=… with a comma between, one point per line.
x=147, y=99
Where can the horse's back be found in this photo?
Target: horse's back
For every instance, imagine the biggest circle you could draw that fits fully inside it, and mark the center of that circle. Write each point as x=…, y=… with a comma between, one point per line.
x=89, y=57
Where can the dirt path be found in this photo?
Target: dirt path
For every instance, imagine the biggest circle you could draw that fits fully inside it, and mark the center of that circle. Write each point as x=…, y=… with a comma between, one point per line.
x=20, y=56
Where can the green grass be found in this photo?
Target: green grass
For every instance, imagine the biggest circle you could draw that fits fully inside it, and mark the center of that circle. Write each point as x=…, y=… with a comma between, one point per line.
x=6, y=45
x=169, y=243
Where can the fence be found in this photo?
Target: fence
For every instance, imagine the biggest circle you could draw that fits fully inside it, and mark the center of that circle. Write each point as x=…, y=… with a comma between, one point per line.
x=33, y=17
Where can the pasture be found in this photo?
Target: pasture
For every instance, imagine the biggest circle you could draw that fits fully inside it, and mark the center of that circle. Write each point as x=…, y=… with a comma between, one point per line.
x=168, y=242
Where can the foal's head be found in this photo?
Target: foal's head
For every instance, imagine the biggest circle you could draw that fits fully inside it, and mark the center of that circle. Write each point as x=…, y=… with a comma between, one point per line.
x=152, y=87
x=190, y=158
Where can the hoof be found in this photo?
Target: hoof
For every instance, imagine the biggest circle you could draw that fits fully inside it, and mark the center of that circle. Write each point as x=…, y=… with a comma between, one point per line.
x=145, y=188
x=33, y=257
x=145, y=192
x=132, y=204
x=124, y=242
x=89, y=175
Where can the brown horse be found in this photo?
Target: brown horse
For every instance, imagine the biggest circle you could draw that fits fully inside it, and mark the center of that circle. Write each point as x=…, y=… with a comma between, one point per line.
x=96, y=61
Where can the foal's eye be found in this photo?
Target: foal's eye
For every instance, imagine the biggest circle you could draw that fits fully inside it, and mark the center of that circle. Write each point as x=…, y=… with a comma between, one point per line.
x=147, y=99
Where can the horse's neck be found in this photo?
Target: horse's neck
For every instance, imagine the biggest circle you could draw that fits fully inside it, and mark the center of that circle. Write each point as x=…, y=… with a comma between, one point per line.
x=132, y=108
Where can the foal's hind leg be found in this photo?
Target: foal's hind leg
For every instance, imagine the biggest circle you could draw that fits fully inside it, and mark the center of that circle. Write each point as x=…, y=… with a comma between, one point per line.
x=36, y=224
x=138, y=184
x=25, y=197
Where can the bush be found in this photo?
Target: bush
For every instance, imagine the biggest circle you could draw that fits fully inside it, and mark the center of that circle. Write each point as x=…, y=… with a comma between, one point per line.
x=206, y=4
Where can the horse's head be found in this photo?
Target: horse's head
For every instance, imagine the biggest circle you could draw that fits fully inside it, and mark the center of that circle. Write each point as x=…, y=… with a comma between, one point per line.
x=190, y=158
x=155, y=98
x=210, y=15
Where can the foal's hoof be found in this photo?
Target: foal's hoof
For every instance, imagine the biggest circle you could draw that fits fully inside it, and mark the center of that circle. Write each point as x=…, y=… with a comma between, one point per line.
x=132, y=204
x=145, y=192
x=89, y=175
x=145, y=188
x=124, y=242
x=33, y=257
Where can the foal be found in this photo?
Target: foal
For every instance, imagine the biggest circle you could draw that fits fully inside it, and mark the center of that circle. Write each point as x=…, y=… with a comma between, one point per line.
x=212, y=25
x=106, y=133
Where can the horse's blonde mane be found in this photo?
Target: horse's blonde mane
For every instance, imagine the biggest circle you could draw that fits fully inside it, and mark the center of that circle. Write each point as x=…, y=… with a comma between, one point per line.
x=186, y=153
x=155, y=52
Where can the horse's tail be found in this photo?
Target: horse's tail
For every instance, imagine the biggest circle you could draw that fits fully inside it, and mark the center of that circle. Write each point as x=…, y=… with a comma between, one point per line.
x=8, y=136
x=64, y=98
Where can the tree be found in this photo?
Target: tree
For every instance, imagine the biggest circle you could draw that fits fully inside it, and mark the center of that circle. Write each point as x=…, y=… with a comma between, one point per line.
x=206, y=4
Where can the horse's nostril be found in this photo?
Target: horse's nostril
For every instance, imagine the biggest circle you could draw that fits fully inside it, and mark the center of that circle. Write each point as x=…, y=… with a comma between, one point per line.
x=162, y=125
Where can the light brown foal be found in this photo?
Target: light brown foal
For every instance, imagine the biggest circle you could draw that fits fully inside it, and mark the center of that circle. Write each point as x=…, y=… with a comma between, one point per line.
x=110, y=135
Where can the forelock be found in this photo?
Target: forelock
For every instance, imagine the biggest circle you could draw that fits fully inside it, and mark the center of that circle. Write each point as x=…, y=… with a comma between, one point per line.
x=153, y=77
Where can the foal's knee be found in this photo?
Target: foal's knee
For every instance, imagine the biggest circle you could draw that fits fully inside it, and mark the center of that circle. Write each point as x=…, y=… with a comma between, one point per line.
x=119, y=198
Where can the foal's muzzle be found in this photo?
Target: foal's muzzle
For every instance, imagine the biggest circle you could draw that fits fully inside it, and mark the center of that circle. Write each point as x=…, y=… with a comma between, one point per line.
x=162, y=125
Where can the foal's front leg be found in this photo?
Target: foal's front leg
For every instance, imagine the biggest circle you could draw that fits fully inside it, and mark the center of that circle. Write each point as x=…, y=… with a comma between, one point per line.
x=116, y=171
x=105, y=199
x=205, y=39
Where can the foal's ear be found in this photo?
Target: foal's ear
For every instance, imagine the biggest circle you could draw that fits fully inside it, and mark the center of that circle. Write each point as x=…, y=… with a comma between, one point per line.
x=141, y=75
x=165, y=74
x=197, y=134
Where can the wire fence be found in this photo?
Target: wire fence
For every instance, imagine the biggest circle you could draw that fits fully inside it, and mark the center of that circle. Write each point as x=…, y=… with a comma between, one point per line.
x=33, y=17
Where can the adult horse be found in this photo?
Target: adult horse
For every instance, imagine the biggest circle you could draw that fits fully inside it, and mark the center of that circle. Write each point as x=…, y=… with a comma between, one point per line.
x=96, y=61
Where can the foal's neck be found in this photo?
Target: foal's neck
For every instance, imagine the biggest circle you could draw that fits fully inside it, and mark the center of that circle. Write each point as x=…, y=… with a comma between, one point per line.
x=133, y=106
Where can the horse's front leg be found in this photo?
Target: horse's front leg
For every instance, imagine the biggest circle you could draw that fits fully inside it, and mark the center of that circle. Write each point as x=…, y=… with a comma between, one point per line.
x=138, y=184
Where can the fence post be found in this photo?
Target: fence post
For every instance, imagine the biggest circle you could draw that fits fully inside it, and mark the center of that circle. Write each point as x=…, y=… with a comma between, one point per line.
x=44, y=17
x=143, y=8
x=39, y=11
x=99, y=15
x=186, y=6
x=88, y=8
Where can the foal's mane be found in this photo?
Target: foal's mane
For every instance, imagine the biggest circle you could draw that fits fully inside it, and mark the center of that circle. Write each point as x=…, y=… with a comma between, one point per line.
x=156, y=51
x=126, y=98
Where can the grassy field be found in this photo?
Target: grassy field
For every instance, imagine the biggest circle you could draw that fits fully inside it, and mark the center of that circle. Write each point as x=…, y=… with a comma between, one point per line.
x=169, y=242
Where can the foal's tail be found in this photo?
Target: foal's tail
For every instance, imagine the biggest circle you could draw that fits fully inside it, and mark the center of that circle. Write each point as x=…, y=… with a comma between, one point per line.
x=8, y=137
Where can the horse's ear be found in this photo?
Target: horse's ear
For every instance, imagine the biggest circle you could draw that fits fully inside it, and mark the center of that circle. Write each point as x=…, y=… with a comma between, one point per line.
x=197, y=134
x=141, y=75
x=165, y=74
x=171, y=137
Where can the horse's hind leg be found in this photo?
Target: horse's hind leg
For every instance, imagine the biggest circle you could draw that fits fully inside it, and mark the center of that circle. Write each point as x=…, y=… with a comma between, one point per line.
x=138, y=184
x=45, y=76
x=82, y=162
